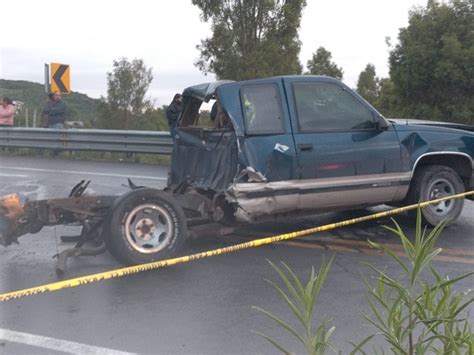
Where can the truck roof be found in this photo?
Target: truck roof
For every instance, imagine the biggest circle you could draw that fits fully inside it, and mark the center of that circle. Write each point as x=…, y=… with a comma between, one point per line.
x=205, y=91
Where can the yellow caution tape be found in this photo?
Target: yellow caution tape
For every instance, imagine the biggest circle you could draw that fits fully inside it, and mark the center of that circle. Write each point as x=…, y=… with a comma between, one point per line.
x=84, y=280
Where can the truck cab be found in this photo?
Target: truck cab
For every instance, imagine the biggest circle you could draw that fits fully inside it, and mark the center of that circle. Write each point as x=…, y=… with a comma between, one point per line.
x=302, y=143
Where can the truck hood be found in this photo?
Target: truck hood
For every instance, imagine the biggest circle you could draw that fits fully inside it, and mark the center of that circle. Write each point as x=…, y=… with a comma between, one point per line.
x=413, y=122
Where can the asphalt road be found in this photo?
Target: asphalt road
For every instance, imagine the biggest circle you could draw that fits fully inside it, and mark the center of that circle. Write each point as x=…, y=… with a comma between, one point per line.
x=203, y=307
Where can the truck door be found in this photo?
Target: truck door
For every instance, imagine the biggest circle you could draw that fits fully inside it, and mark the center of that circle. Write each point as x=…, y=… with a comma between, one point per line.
x=268, y=143
x=338, y=143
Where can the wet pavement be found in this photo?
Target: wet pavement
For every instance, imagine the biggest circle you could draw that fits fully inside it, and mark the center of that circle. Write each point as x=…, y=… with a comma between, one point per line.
x=203, y=307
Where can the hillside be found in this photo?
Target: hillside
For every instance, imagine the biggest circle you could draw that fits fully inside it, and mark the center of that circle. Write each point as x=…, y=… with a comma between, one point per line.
x=80, y=106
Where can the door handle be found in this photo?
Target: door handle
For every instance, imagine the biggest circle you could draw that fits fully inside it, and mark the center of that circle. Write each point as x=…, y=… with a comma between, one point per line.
x=305, y=147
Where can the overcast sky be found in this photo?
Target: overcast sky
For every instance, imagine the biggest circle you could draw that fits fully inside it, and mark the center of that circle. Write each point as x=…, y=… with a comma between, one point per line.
x=89, y=34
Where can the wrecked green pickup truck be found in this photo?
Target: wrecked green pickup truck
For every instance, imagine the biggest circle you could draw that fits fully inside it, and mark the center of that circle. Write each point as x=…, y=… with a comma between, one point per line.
x=274, y=146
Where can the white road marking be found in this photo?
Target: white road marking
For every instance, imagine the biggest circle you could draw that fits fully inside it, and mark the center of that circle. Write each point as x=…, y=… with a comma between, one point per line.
x=14, y=175
x=69, y=347
x=76, y=172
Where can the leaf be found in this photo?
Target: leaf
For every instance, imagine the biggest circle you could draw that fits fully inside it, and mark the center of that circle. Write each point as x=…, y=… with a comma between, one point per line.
x=359, y=346
x=407, y=244
x=463, y=307
x=274, y=343
x=321, y=279
x=296, y=295
x=281, y=323
x=422, y=260
x=379, y=323
x=294, y=309
x=319, y=341
x=453, y=281
x=418, y=234
x=387, y=279
x=308, y=293
x=296, y=280
x=392, y=255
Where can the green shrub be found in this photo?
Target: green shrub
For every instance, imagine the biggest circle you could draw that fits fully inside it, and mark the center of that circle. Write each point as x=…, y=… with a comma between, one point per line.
x=302, y=301
x=417, y=316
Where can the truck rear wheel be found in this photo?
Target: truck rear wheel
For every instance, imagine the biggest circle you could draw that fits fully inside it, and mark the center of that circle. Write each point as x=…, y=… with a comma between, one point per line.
x=144, y=225
x=436, y=181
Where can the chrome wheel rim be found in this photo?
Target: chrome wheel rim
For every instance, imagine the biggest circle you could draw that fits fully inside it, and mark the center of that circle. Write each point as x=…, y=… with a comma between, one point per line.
x=148, y=228
x=437, y=189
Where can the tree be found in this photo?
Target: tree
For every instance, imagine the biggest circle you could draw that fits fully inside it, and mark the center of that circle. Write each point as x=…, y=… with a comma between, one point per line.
x=388, y=103
x=379, y=92
x=432, y=66
x=321, y=64
x=368, y=84
x=250, y=38
x=127, y=86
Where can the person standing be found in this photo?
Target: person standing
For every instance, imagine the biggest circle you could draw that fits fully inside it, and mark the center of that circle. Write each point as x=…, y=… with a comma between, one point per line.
x=7, y=112
x=54, y=112
x=54, y=115
x=172, y=113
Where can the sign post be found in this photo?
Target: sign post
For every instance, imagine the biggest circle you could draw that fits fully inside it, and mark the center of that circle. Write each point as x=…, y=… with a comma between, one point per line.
x=46, y=78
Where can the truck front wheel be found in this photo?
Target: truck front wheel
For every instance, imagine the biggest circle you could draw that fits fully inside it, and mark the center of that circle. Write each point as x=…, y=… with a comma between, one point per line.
x=144, y=225
x=436, y=181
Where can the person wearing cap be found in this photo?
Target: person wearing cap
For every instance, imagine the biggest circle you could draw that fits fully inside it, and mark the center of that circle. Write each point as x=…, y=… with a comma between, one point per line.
x=172, y=113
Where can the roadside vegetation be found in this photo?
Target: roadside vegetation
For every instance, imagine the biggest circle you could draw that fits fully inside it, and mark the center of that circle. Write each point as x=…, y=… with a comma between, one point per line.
x=419, y=312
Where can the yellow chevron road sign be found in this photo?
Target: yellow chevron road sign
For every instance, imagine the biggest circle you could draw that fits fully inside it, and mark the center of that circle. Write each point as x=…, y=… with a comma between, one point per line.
x=60, y=78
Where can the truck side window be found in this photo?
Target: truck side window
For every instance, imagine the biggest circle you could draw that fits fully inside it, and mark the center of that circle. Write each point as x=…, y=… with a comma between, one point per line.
x=328, y=107
x=262, y=109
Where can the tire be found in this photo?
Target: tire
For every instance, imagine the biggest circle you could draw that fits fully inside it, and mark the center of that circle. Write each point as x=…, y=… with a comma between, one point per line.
x=436, y=181
x=144, y=225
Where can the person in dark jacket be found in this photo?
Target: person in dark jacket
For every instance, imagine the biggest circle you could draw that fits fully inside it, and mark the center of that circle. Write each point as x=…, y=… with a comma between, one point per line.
x=54, y=112
x=172, y=113
x=54, y=115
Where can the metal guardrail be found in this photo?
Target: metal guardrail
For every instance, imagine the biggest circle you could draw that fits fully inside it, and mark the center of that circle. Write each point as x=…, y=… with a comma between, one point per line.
x=87, y=140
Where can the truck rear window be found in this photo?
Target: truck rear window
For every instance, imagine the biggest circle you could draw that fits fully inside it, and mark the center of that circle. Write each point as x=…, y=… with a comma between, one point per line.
x=261, y=105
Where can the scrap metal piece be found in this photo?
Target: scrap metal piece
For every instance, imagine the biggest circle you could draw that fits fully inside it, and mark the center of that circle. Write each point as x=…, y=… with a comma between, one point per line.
x=10, y=207
x=75, y=188
x=11, y=211
x=64, y=255
x=132, y=186
x=83, y=188
x=17, y=220
x=251, y=174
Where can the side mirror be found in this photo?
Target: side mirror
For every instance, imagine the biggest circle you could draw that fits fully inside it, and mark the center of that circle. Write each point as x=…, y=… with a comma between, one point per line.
x=381, y=123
